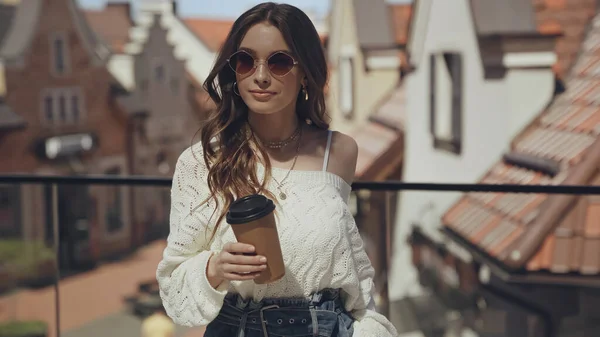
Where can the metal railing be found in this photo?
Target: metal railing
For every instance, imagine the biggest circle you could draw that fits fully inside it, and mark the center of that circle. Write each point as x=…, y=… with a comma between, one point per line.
x=388, y=186
x=395, y=186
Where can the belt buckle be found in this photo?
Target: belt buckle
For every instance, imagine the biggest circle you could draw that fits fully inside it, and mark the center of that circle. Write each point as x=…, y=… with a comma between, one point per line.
x=262, y=317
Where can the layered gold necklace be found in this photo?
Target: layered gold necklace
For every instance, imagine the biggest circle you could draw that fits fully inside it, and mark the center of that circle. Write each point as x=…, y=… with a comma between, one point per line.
x=282, y=194
x=295, y=136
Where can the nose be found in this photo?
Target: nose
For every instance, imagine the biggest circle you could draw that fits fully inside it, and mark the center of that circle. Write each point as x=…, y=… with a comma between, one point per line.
x=262, y=75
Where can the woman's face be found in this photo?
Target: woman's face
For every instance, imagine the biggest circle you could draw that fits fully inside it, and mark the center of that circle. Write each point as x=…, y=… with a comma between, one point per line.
x=274, y=83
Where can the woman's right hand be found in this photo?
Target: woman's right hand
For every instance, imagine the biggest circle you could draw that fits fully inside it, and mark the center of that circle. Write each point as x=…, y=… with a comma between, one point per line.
x=234, y=263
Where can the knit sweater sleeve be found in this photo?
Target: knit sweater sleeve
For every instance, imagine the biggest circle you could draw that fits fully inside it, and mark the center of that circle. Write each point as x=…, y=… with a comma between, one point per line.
x=187, y=296
x=359, y=299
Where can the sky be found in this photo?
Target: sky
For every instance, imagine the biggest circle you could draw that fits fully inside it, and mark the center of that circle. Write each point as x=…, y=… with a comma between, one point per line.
x=230, y=8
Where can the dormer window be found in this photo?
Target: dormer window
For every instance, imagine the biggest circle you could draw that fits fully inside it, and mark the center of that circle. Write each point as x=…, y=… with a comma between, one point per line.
x=446, y=101
x=346, y=78
x=59, y=56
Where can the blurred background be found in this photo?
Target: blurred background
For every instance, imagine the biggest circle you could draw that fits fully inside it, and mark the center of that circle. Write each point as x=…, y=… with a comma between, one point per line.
x=434, y=91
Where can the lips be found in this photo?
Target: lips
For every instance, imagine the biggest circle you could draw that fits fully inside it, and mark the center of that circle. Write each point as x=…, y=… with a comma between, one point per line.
x=262, y=92
x=262, y=95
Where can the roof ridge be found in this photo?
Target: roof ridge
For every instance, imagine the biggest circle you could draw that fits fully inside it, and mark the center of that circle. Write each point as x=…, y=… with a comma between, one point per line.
x=24, y=27
x=554, y=207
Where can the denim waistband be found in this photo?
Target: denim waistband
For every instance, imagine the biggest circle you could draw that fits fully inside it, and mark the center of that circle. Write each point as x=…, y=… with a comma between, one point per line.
x=315, y=313
x=316, y=299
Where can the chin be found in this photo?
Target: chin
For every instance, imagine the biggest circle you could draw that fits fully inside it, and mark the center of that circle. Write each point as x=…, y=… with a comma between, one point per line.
x=264, y=108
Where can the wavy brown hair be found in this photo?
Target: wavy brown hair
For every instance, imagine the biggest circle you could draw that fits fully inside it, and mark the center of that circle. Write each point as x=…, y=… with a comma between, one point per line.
x=232, y=163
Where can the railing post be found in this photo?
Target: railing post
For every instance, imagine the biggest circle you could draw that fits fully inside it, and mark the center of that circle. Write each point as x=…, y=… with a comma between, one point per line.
x=56, y=236
x=385, y=256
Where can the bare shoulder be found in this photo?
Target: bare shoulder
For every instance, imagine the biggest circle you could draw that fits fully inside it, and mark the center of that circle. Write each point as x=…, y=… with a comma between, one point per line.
x=343, y=157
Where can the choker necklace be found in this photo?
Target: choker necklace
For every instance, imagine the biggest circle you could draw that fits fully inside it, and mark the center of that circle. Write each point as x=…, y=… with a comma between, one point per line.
x=283, y=143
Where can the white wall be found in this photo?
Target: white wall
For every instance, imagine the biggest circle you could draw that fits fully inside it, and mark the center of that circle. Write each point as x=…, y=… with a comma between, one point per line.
x=199, y=58
x=493, y=112
x=529, y=92
x=121, y=66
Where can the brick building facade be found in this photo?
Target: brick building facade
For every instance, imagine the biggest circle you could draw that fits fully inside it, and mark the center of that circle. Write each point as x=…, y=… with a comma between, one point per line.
x=76, y=120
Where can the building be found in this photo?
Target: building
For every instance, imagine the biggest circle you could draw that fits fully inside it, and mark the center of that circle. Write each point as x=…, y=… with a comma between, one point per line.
x=74, y=118
x=156, y=56
x=365, y=97
x=463, y=117
x=491, y=76
x=544, y=249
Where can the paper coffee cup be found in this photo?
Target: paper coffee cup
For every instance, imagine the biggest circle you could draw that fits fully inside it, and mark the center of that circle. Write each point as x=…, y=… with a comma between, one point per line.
x=253, y=222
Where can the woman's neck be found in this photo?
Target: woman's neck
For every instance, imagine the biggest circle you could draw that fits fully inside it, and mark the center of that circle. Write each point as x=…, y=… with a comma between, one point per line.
x=273, y=127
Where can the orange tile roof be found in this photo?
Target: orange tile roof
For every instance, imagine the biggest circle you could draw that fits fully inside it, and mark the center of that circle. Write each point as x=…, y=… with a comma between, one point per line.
x=382, y=133
x=568, y=133
x=569, y=18
x=112, y=23
x=212, y=32
x=373, y=140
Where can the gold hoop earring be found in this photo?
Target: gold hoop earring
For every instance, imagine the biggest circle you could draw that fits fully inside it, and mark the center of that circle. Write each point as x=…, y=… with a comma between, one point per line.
x=235, y=86
x=305, y=93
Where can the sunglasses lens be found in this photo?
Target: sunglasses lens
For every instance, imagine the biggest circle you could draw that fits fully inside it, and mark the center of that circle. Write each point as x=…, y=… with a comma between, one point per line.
x=280, y=64
x=241, y=63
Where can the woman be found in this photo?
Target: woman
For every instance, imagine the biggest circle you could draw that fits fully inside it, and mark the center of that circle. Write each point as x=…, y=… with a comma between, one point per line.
x=269, y=136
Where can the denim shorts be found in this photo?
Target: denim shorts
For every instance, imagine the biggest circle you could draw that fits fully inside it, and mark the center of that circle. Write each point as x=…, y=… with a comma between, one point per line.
x=321, y=316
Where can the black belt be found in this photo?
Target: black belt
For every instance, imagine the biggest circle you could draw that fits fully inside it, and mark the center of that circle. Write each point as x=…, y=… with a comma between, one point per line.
x=272, y=317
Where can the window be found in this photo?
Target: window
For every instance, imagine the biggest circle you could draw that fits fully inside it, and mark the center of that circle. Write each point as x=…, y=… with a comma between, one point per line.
x=75, y=107
x=346, y=68
x=10, y=212
x=159, y=72
x=49, y=109
x=59, y=54
x=114, y=211
x=446, y=101
x=62, y=106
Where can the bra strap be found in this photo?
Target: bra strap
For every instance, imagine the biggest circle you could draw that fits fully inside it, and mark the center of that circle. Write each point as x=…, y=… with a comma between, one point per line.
x=327, y=150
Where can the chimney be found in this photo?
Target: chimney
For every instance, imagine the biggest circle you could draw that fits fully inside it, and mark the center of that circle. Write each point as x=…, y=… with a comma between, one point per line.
x=156, y=6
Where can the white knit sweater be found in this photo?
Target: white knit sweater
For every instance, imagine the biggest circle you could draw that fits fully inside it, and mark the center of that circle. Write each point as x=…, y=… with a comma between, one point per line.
x=320, y=243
